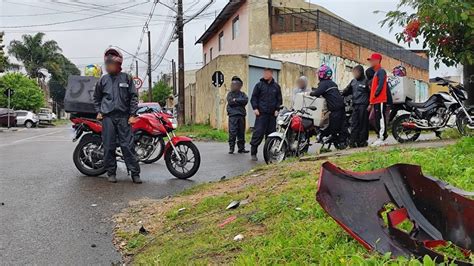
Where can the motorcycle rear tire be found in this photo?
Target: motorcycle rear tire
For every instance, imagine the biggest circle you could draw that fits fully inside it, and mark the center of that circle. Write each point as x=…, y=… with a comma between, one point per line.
x=397, y=126
x=86, y=139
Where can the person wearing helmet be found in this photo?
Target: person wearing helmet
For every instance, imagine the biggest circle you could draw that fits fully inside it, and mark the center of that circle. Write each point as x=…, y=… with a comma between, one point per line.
x=116, y=102
x=329, y=90
x=301, y=87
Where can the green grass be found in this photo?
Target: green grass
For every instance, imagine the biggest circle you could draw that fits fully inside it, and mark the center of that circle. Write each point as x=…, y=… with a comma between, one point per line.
x=60, y=122
x=206, y=133
x=282, y=223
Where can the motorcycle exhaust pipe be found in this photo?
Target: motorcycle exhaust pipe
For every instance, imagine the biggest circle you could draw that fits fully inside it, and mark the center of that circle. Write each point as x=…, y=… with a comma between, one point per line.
x=413, y=125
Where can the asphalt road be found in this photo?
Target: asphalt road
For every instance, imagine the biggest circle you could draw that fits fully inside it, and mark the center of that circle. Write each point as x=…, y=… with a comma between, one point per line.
x=51, y=214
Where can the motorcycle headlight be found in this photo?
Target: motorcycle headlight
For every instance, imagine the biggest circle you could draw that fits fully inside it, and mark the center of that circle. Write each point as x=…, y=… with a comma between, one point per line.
x=174, y=123
x=280, y=120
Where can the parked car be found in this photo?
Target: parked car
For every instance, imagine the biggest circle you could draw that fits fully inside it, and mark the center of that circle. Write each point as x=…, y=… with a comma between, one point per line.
x=45, y=115
x=54, y=116
x=26, y=118
x=145, y=107
x=4, y=114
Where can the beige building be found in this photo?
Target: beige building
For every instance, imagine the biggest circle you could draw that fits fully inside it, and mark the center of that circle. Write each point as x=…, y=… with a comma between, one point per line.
x=292, y=37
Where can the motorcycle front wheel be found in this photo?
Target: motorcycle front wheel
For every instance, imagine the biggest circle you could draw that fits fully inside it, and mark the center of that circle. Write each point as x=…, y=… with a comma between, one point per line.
x=272, y=153
x=402, y=134
x=462, y=123
x=187, y=163
x=88, y=155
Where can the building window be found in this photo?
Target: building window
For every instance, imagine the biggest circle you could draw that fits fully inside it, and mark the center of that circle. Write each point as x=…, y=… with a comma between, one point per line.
x=205, y=58
x=221, y=41
x=235, y=28
x=210, y=54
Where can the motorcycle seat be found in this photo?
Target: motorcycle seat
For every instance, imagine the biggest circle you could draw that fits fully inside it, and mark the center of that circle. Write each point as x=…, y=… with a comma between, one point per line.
x=416, y=105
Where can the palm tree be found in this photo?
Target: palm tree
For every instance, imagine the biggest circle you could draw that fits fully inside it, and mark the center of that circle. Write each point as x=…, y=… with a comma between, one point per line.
x=36, y=54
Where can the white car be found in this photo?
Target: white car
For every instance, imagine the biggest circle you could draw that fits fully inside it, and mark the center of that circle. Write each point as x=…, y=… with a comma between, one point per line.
x=45, y=115
x=26, y=118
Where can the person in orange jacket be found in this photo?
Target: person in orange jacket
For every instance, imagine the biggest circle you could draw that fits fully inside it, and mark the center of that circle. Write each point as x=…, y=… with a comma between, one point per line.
x=378, y=98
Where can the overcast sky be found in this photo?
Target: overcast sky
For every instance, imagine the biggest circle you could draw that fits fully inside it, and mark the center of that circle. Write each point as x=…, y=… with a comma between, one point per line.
x=98, y=24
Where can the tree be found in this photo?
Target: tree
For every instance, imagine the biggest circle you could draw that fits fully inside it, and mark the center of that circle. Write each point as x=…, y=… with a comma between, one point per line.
x=58, y=81
x=36, y=54
x=28, y=95
x=445, y=28
x=4, y=62
x=161, y=92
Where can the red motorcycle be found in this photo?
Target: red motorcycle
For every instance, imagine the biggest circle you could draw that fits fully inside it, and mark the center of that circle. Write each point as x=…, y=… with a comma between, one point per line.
x=182, y=157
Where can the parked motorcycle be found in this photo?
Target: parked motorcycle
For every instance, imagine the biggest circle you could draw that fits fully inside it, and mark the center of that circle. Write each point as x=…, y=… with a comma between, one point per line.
x=434, y=114
x=181, y=156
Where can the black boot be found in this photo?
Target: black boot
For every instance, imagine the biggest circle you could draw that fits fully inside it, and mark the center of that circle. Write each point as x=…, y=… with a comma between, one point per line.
x=136, y=179
x=231, y=150
x=112, y=179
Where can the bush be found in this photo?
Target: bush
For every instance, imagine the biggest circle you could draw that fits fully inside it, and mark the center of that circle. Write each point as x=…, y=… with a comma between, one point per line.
x=28, y=95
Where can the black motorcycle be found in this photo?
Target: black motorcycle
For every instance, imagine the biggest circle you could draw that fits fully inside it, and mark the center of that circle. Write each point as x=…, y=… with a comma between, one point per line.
x=436, y=114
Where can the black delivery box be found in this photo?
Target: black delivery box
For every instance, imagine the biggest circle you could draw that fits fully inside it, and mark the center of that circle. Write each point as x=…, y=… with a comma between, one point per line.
x=79, y=97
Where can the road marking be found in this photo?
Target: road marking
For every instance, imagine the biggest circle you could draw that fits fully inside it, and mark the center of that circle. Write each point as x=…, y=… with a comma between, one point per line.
x=30, y=138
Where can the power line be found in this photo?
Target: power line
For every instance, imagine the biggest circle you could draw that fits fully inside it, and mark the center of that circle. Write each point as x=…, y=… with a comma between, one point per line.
x=122, y=26
x=74, y=20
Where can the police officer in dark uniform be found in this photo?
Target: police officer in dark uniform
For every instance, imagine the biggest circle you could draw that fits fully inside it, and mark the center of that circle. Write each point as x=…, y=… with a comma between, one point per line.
x=266, y=99
x=360, y=102
x=236, y=102
x=116, y=101
x=329, y=90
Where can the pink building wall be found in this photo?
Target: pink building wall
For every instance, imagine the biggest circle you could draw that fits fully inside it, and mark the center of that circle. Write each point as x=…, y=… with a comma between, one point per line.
x=240, y=45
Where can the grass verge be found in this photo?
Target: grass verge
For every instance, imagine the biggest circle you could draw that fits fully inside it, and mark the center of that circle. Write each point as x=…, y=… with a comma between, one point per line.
x=281, y=222
x=206, y=133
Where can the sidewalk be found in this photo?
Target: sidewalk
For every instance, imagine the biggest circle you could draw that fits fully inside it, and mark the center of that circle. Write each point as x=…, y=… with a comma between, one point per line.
x=12, y=129
x=436, y=143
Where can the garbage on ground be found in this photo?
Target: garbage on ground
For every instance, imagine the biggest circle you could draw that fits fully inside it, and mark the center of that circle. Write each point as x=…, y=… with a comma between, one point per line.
x=94, y=205
x=227, y=221
x=181, y=210
x=233, y=205
x=239, y=237
x=401, y=211
x=143, y=231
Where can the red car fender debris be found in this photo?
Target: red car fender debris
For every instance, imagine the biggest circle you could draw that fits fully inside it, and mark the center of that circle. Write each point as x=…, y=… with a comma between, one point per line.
x=399, y=210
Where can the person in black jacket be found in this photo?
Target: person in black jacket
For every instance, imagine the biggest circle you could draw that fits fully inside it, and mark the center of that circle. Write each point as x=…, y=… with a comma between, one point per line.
x=335, y=102
x=236, y=102
x=266, y=100
x=116, y=101
x=360, y=102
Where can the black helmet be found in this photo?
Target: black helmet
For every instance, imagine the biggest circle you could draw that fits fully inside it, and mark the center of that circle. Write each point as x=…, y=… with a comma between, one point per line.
x=113, y=55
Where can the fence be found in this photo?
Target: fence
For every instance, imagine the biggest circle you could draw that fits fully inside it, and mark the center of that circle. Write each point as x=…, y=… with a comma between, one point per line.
x=298, y=20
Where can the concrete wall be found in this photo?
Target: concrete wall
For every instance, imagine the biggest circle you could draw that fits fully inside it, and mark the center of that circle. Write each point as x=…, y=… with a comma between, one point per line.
x=239, y=45
x=320, y=42
x=259, y=33
x=211, y=102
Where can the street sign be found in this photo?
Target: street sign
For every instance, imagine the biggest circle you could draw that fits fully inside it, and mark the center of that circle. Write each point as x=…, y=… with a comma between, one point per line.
x=138, y=82
x=8, y=92
x=217, y=79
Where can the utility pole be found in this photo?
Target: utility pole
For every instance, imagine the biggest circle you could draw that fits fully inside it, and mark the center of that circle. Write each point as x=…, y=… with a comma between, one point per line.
x=136, y=68
x=150, y=86
x=180, y=26
x=173, y=74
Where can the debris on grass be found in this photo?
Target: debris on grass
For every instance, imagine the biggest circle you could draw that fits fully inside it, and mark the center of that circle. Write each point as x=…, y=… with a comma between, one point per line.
x=451, y=251
x=239, y=237
x=228, y=221
x=233, y=205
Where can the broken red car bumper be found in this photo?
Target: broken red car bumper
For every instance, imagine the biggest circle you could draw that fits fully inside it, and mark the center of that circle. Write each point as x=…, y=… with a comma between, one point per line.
x=438, y=211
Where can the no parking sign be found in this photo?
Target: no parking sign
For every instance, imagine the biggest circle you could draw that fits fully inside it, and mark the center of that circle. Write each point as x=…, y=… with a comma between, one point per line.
x=138, y=82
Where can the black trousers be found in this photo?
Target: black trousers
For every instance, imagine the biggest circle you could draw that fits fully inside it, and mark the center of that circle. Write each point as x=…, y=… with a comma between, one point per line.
x=237, y=132
x=360, y=125
x=337, y=126
x=117, y=131
x=264, y=125
x=380, y=120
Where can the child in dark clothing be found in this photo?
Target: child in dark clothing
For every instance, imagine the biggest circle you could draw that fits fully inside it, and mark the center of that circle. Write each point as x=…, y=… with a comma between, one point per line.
x=236, y=102
x=359, y=90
